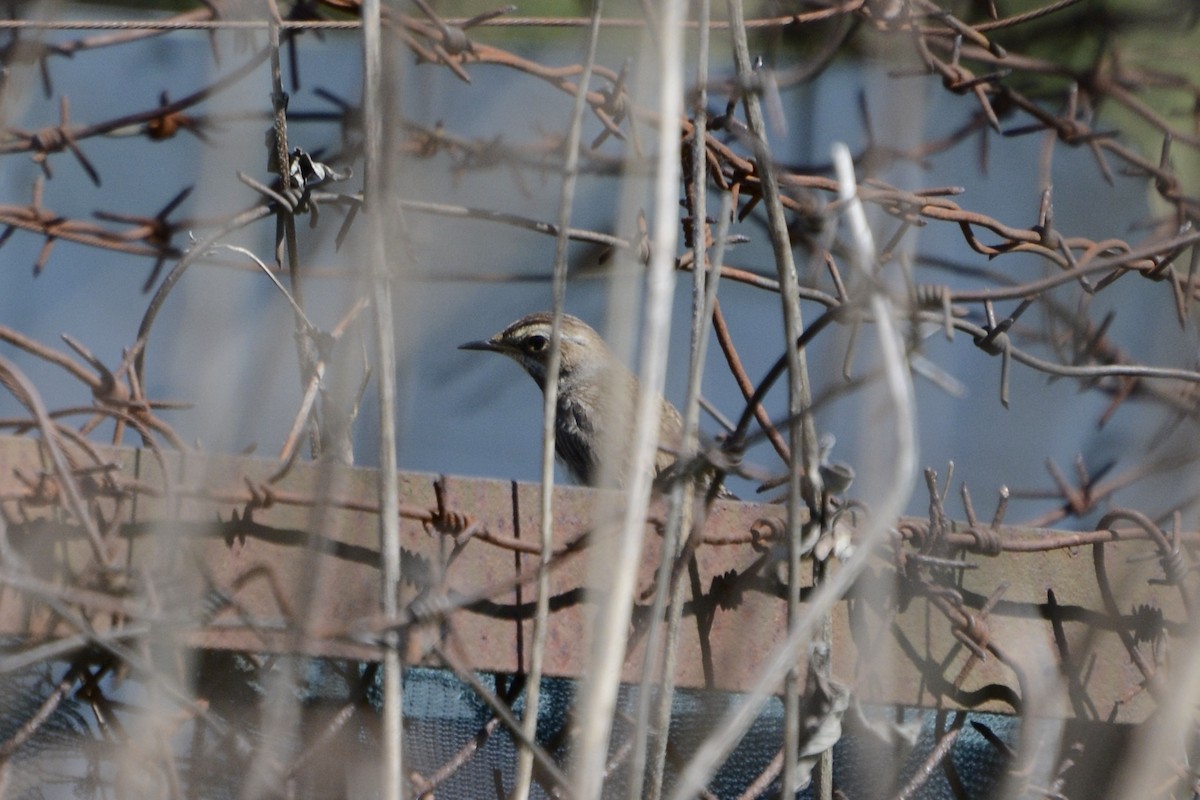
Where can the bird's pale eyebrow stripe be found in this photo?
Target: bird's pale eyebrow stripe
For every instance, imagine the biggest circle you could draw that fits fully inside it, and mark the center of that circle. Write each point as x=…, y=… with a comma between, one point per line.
x=526, y=330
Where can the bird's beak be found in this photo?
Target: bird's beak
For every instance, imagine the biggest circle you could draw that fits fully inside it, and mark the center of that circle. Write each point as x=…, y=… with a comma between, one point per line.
x=484, y=344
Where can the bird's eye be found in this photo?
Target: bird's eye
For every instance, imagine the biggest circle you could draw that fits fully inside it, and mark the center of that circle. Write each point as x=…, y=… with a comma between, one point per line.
x=536, y=343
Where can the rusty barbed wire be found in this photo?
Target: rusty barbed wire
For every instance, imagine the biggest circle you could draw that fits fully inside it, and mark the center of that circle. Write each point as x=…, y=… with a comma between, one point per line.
x=978, y=62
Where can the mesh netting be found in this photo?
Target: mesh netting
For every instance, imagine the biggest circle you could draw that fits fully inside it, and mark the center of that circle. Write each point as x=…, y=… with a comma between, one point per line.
x=449, y=733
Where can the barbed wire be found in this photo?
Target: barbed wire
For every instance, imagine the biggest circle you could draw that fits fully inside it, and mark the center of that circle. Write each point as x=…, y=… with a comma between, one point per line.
x=976, y=61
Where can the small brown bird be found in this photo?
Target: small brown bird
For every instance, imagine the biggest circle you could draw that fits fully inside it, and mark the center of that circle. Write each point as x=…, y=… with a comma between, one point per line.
x=596, y=394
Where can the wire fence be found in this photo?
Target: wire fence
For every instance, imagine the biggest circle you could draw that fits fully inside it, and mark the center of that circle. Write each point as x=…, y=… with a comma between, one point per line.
x=180, y=622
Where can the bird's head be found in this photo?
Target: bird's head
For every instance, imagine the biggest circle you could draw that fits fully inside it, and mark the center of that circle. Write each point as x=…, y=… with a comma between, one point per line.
x=527, y=341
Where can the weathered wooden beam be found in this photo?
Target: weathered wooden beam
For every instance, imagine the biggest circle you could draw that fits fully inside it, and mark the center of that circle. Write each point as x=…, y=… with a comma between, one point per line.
x=210, y=554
